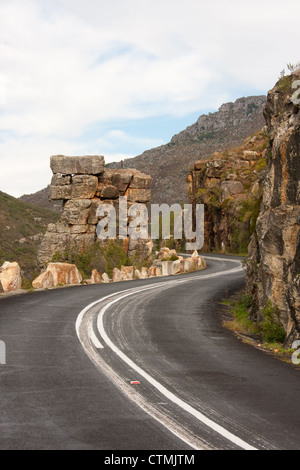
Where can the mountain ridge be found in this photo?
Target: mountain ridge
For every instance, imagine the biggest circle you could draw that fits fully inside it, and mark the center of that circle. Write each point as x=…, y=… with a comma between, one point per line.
x=168, y=164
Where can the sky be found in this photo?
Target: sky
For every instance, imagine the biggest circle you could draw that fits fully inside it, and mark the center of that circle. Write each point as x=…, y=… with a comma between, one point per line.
x=118, y=77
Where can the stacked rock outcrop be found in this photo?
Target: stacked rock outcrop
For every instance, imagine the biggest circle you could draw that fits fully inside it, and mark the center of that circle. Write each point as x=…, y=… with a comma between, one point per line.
x=83, y=184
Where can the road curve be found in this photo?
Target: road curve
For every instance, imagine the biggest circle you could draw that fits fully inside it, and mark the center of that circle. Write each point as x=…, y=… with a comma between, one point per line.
x=61, y=393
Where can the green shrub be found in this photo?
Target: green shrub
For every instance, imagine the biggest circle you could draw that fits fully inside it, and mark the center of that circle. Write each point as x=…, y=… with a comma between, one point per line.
x=272, y=331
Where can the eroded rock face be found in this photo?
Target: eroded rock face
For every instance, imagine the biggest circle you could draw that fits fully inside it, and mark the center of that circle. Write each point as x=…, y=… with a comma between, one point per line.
x=228, y=185
x=10, y=277
x=83, y=184
x=274, y=262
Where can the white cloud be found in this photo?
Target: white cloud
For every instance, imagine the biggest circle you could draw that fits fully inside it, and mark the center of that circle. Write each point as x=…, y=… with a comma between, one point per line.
x=68, y=64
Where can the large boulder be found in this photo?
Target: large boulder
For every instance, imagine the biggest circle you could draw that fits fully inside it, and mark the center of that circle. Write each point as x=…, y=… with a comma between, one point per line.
x=58, y=274
x=117, y=275
x=141, y=274
x=10, y=276
x=127, y=273
x=96, y=277
x=86, y=165
x=154, y=271
x=105, y=278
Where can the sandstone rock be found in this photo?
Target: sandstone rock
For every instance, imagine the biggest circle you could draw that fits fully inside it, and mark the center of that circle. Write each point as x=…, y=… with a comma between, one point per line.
x=188, y=265
x=109, y=192
x=57, y=274
x=117, y=275
x=232, y=176
x=167, y=268
x=96, y=277
x=166, y=252
x=60, y=192
x=1, y=288
x=60, y=180
x=76, y=211
x=138, y=195
x=137, y=274
x=250, y=155
x=84, y=186
x=215, y=164
x=87, y=165
x=144, y=273
x=177, y=267
x=78, y=228
x=127, y=273
x=10, y=276
x=231, y=188
x=154, y=271
x=105, y=278
x=140, y=181
x=157, y=263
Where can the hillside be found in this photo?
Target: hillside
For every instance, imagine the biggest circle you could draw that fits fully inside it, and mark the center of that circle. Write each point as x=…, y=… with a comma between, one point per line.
x=21, y=229
x=41, y=199
x=224, y=129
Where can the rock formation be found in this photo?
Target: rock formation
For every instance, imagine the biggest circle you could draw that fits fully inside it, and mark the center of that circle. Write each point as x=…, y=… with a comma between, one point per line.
x=274, y=261
x=83, y=184
x=227, y=184
x=10, y=277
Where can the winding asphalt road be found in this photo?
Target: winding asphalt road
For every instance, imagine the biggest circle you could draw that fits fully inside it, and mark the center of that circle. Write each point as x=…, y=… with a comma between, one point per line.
x=72, y=354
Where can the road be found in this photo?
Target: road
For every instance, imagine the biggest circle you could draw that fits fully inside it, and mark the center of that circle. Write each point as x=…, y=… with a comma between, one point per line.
x=72, y=354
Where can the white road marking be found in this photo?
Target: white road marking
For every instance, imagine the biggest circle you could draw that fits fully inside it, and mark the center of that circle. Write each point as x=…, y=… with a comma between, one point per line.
x=163, y=390
x=94, y=338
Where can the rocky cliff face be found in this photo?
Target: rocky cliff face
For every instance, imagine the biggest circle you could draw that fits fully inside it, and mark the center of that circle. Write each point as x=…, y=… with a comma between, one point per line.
x=218, y=131
x=274, y=262
x=83, y=184
x=228, y=185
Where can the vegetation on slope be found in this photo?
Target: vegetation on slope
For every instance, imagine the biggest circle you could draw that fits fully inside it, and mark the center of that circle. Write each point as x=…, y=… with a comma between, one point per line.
x=21, y=229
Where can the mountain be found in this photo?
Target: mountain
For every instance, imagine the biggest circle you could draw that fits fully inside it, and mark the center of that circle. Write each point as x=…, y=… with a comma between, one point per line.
x=21, y=228
x=41, y=199
x=169, y=164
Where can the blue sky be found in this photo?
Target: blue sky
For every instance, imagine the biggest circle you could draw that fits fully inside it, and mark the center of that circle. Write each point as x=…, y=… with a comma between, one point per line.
x=116, y=78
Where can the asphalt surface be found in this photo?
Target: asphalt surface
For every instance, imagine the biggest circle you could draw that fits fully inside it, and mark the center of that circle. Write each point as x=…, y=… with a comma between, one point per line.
x=63, y=391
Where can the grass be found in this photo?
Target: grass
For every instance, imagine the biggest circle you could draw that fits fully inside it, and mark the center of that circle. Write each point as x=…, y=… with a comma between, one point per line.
x=268, y=335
